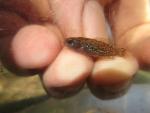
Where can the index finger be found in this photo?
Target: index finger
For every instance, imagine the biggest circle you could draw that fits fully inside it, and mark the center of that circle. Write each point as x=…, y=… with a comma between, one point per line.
x=67, y=74
x=107, y=73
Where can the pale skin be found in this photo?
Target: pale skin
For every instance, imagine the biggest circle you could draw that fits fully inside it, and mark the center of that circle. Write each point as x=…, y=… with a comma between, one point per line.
x=40, y=47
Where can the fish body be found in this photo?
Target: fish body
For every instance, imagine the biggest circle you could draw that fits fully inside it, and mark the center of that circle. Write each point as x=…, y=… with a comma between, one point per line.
x=93, y=47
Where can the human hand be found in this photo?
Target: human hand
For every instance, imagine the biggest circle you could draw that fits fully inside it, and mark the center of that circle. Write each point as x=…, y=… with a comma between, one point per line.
x=40, y=49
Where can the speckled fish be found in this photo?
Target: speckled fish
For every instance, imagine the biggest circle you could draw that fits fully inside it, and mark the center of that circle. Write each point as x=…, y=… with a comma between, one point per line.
x=93, y=47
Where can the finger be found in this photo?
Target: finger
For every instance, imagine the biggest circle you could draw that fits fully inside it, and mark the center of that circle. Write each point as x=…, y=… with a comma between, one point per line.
x=130, y=26
x=11, y=22
x=62, y=15
x=66, y=75
x=94, y=23
x=35, y=46
x=32, y=48
x=106, y=74
x=108, y=81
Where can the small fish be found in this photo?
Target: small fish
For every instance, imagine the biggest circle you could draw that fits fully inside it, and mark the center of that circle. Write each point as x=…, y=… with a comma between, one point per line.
x=92, y=47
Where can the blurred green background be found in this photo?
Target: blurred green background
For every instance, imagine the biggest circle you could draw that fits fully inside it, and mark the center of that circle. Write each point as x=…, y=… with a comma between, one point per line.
x=18, y=92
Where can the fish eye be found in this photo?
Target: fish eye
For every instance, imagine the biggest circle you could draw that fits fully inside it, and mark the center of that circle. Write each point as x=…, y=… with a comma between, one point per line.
x=73, y=43
x=70, y=41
